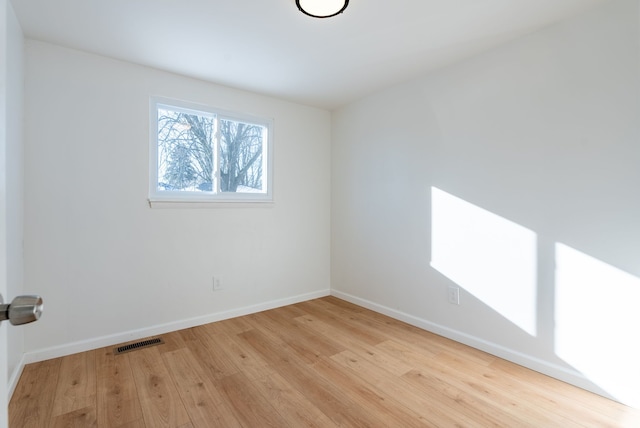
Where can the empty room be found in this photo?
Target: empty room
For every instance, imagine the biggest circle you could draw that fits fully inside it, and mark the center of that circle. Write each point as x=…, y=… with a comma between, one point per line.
x=319, y=213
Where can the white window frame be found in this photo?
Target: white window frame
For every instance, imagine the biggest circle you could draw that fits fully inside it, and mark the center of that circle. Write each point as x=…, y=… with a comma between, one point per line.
x=170, y=199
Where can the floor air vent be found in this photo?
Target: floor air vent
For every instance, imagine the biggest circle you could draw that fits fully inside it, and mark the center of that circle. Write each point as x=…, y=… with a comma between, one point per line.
x=138, y=345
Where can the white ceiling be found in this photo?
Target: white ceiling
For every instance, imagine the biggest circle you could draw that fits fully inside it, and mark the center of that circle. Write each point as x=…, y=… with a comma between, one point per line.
x=269, y=47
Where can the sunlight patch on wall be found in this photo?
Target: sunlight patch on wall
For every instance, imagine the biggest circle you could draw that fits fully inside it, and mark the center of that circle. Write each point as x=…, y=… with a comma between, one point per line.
x=597, y=316
x=490, y=257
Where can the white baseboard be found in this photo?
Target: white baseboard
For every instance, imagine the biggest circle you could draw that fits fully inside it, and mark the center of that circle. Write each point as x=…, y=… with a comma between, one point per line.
x=101, y=342
x=15, y=377
x=564, y=374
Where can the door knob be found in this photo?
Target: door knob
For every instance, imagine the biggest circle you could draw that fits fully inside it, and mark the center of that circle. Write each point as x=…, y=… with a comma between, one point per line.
x=22, y=310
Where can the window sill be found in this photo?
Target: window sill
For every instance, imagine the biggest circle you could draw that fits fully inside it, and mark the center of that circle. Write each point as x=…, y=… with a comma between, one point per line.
x=220, y=203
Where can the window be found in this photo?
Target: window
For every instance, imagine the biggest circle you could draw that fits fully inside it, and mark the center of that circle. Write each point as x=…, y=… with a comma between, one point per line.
x=200, y=154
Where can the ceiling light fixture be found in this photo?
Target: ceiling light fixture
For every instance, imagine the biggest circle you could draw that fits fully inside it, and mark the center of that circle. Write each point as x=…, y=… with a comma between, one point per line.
x=322, y=8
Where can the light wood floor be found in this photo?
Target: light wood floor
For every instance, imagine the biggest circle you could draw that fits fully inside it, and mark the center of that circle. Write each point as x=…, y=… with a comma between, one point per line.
x=321, y=363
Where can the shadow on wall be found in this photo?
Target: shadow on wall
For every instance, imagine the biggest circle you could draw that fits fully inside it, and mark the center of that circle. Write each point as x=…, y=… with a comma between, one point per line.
x=503, y=264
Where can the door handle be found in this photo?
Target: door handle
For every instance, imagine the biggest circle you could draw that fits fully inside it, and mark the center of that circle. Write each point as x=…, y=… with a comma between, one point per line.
x=22, y=310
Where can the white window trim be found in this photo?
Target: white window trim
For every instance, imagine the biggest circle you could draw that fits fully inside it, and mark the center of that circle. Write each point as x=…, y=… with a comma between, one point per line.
x=182, y=199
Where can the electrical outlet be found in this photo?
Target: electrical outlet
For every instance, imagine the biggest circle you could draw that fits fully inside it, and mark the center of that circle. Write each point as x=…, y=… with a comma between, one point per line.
x=217, y=283
x=453, y=293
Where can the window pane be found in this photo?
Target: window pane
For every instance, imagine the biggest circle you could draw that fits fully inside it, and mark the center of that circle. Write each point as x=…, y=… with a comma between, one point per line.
x=185, y=151
x=241, y=163
x=199, y=154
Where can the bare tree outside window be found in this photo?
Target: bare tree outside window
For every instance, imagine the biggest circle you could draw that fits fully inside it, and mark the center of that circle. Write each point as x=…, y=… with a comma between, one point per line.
x=185, y=151
x=240, y=156
x=188, y=155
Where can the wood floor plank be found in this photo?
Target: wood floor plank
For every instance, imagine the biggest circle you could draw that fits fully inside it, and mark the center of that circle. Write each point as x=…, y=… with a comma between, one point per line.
x=76, y=387
x=320, y=363
x=472, y=379
x=172, y=342
x=231, y=326
x=203, y=402
x=466, y=401
x=291, y=311
x=133, y=424
x=336, y=303
x=559, y=399
x=368, y=336
x=436, y=405
x=291, y=403
x=159, y=399
x=465, y=384
x=308, y=346
x=250, y=407
x=81, y=418
x=400, y=331
x=388, y=411
x=117, y=397
x=246, y=360
x=413, y=356
x=371, y=352
x=325, y=396
x=496, y=388
x=324, y=329
x=293, y=331
x=380, y=357
x=32, y=401
x=211, y=353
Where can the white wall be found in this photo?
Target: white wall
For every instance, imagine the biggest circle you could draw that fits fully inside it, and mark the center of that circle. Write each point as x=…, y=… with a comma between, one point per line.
x=528, y=155
x=107, y=265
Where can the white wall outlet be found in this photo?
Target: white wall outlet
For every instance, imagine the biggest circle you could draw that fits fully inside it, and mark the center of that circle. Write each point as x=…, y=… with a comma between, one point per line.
x=217, y=283
x=453, y=294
